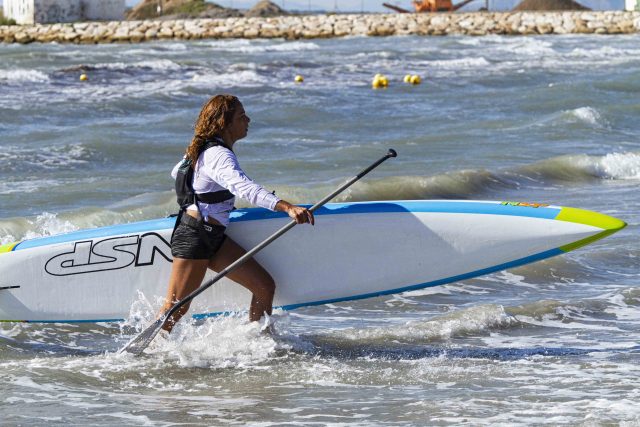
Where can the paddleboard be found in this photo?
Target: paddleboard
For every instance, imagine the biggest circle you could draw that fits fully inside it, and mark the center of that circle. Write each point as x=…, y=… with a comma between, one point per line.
x=355, y=250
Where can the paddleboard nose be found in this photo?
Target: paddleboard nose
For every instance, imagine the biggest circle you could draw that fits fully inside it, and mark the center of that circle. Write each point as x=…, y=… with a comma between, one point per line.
x=606, y=223
x=8, y=247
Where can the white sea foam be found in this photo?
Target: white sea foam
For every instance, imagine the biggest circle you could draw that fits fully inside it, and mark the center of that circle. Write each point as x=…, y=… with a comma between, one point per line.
x=617, y=166
x=605, y=53
x=258, y=46
x=243, y=78
x=585, y=115
x=221, y=342
x=27, y=186
x=23, y=76
x=48, y=224
x=129, y=89
x=138, y=50
x=613, y=166
x=588, y=115
x=6, y=239
x=462, y=322
x=156, y=65
x=458, y=64
x=624, y=305
x=527, y=47
x=47, y=157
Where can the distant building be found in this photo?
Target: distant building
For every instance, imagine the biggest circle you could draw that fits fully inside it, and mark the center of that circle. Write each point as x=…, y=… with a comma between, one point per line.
x=631, y=5
x=48, y=11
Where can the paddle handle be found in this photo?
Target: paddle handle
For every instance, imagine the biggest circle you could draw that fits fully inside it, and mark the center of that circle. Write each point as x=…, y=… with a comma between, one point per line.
x=244, y=258
x=390, y=153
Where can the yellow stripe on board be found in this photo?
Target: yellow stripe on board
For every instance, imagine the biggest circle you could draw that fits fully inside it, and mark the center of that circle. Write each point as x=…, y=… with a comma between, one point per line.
x=607, y=223
x=8, y=247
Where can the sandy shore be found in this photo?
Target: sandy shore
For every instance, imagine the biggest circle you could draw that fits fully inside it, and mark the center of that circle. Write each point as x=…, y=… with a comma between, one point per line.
x=324, y=26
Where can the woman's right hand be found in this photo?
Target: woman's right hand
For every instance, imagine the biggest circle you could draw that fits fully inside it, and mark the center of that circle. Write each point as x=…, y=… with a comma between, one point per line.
x=299, y=214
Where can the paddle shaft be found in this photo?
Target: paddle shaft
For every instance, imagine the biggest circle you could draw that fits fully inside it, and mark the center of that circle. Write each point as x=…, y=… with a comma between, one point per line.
x=141, y=341
x=244, y=258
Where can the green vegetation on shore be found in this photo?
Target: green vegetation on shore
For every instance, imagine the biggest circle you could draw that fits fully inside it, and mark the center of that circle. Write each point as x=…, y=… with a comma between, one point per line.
x=148, y=9
x=6, y=21
x=193, y=7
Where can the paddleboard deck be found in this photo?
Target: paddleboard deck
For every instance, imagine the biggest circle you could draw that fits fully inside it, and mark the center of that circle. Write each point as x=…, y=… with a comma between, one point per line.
x=355, y=251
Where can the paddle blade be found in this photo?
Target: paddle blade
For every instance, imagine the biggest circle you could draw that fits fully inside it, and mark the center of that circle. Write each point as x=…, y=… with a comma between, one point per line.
x=137, y=345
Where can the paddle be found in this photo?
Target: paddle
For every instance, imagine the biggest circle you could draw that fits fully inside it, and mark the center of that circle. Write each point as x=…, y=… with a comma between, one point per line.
x=137, y=345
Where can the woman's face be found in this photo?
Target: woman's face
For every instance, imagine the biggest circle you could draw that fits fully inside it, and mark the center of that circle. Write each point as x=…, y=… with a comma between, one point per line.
x=239, y=126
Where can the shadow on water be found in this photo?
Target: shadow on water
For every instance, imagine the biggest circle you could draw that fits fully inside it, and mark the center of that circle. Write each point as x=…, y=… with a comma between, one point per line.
x=395, y=352
x=50, y=349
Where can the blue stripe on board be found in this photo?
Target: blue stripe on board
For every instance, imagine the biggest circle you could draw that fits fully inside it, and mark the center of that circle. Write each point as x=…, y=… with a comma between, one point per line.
x=409, y=206
x=112, y=230
x=253, y=214
x=511, y=264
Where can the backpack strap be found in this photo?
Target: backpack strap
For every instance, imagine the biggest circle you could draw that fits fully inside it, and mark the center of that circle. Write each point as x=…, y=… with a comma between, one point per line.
x=213, y=196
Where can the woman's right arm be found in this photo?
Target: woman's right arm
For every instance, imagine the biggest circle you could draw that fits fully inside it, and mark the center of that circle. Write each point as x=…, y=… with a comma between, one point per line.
x=227, y=172
x=299, y=214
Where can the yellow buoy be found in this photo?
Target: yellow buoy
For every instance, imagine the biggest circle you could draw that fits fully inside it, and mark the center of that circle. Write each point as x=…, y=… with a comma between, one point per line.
x=416, y=80
x=299, y=79
x=379, y=80
x=407, y=78
x=83, y=77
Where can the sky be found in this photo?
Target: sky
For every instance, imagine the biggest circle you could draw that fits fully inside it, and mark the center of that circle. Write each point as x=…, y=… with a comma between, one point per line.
x=376, y=5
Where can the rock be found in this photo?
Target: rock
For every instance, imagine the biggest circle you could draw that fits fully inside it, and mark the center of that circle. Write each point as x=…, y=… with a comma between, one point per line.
x=70, y=36
x=23, y=38
x=165, y=33
x=250, y=33
x=265, y=8
x=542, y=5
x=136, y=36
x=151, y=34
x=545, y=29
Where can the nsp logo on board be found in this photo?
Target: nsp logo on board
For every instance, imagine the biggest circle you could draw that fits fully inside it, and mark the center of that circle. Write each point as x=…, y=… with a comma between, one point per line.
x=109, y=254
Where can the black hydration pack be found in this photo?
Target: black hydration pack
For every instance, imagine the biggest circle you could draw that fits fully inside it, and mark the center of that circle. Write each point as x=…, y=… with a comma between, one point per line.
x=185, y=194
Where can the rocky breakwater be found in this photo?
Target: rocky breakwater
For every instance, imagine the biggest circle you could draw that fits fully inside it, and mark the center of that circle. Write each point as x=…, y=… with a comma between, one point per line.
x=323, y=26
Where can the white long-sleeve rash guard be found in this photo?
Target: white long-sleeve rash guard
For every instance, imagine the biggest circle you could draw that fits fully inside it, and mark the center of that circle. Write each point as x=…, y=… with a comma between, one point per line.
x=218, y=169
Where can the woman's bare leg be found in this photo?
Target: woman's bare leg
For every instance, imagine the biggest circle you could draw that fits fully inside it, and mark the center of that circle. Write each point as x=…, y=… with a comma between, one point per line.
x=251, y=275
x=186, y=276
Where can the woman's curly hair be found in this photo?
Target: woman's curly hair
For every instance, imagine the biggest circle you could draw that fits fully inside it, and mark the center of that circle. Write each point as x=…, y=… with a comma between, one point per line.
x=214, y=117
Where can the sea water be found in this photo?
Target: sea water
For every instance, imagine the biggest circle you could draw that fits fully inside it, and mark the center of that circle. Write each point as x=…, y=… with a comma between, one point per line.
x=536, y=119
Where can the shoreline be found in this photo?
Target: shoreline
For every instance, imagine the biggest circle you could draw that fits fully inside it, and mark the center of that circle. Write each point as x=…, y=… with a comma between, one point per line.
x=329, y=26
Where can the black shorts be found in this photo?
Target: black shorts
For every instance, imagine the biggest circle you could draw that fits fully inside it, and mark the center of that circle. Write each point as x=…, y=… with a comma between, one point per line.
x=188, y=241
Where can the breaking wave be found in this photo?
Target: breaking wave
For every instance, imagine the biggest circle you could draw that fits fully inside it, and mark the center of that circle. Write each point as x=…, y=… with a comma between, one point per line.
x=140, y=66
x=24, y=159
x=463, y=184
x=23, y=76
x=259, y=46
x=601, y=313
x=581, y=167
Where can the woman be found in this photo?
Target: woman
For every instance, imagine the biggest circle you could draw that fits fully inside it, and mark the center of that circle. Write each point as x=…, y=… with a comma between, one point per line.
x=195, y=245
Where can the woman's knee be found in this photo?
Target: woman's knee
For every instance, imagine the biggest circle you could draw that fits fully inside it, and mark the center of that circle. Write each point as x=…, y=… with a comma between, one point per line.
x=271, y=286
x=266, y=287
